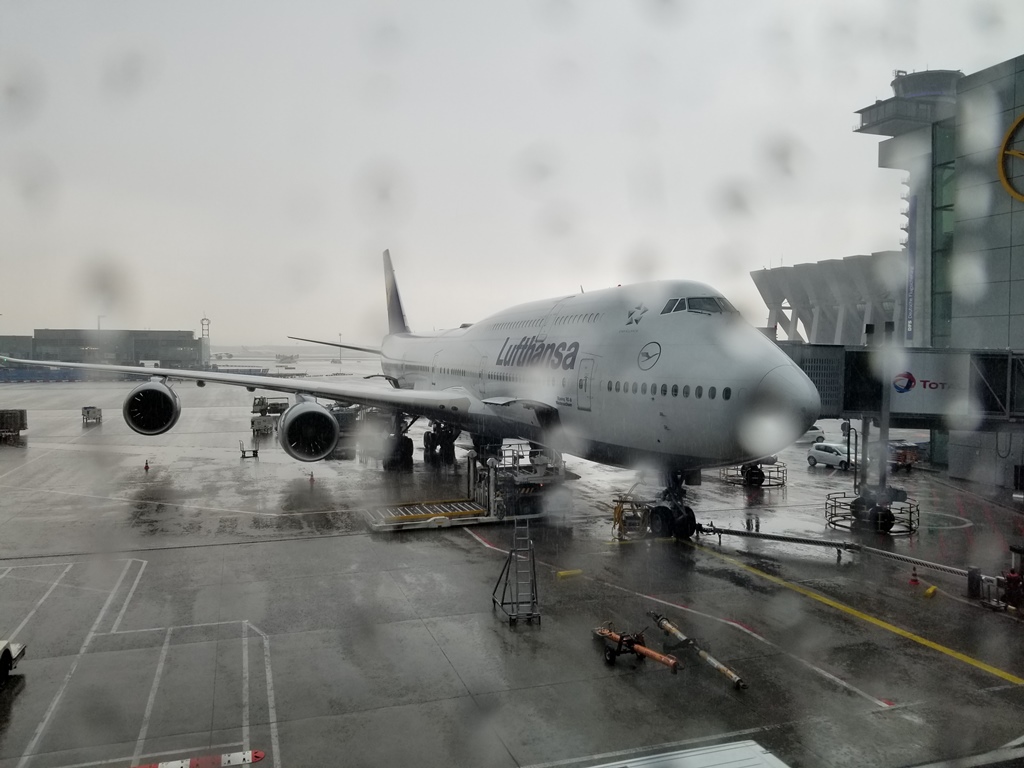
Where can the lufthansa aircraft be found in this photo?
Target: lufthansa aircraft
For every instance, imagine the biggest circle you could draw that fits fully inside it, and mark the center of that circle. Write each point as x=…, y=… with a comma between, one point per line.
x=664, y=374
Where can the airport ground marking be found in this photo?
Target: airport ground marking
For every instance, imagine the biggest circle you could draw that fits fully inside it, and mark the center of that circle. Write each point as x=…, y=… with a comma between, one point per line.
x=245, y=687
x=271, y=706
x=625, y=753
x=728, y=622
x=40, y=602
x=93, y=763
x=144, y=729
x=41, y=728
x=976, y=663
x=131, y=592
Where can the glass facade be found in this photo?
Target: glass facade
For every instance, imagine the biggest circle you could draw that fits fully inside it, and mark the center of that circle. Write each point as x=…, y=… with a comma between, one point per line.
x=943, y=224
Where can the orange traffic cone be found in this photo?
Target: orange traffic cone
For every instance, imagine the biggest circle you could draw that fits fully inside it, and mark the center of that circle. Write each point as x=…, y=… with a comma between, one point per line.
x=913, y=577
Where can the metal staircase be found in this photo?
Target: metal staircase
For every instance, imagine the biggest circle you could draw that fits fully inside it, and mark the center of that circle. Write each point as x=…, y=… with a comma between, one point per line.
x=518, y=579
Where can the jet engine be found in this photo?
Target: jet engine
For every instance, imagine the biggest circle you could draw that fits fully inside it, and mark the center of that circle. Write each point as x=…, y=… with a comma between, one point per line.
x=308, y=432
x=151, y=408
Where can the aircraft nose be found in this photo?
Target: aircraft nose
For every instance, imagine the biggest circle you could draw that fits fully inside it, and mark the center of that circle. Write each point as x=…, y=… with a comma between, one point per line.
x=783, y=405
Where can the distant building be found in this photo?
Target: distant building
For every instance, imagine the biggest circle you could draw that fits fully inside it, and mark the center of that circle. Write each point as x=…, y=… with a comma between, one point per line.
x=960, y=138
x=171, y=349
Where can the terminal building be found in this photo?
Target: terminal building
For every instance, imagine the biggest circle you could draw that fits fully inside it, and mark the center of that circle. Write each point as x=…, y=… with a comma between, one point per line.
x=958, y=282
x=170, y=349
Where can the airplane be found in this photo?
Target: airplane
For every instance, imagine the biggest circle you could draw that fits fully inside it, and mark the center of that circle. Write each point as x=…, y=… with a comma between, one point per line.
x=663, y=374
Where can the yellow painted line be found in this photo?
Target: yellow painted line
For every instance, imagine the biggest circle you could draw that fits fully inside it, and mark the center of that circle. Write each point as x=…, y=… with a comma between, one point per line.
x=869, y=619
x=567, y=574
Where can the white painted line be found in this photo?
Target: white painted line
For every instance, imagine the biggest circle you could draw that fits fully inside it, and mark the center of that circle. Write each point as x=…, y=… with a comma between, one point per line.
x=152, y=754
x=612, y=756
x=245, y=686
x=6, y=571
x=82, y=587
x=38, y=603
x=271, y=707
x=128, y=599
x=735, y=625
x=30, y=749
x=141, y=741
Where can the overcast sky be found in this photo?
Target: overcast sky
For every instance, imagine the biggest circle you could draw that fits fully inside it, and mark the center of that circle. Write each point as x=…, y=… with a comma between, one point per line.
x=250, y=160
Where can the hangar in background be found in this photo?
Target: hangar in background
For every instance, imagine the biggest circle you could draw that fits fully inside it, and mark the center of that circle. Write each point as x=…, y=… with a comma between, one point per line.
x=172, y=349
x=958, y=283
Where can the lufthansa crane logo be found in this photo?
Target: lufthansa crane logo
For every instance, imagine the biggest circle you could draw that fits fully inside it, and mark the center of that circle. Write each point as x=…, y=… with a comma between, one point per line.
x=1012, y=160
x=648, y=356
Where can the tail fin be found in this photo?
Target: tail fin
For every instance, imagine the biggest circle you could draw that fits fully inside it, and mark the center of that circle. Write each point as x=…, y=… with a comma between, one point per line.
x=396, y=317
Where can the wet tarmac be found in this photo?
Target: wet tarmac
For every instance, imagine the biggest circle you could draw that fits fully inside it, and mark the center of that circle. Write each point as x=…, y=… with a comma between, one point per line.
x=214, y=604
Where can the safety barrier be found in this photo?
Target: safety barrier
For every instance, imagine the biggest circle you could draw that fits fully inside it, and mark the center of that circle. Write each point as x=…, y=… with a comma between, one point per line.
x=853, y=513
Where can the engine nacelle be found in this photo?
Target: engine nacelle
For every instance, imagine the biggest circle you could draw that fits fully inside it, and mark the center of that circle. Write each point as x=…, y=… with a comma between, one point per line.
x=308, y=432
x=151, y=408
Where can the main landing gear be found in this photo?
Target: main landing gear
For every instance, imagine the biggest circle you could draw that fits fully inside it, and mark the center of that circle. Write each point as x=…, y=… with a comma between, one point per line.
x=439, y=443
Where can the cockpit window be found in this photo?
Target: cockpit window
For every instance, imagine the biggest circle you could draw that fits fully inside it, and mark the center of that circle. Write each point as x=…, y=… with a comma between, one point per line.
x=710, y=304
x=671, y=305
x=681, y=306
x=707, y=304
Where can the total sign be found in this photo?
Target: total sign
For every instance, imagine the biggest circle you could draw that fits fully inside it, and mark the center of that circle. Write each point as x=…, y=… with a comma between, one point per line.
x=933, y=383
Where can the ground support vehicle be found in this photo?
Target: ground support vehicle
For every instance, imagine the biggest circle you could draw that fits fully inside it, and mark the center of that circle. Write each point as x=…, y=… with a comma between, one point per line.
x=347, y=417
x=270, y=405
x=92, y=415
x=503, y=492
x=10, y=655
x=666, y=515
x=12, y=422
x=616, y=644
x=263, y=425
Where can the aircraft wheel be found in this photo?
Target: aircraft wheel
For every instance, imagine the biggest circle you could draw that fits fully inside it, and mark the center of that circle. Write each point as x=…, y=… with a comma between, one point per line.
x=686, y=524
x=428, y=442
x=5, y=667
x=811, y=460
x=754, y=476
x=884, y=519
x=844, y=465
x=661, y=522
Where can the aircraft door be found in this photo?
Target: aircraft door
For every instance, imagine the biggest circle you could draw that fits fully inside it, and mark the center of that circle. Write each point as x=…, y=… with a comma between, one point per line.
x=584, y=383
x=482, y=380
x=433, y=370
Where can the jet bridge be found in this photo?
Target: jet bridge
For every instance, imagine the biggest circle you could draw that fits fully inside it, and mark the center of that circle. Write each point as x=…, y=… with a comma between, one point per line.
x=930, y=388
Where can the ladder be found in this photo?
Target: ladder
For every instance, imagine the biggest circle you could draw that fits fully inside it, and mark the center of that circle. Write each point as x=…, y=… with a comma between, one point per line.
x=518, y=579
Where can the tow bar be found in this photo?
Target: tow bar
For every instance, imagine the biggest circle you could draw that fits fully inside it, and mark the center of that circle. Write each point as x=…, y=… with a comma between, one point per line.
x=631, y=643
x=682, y=641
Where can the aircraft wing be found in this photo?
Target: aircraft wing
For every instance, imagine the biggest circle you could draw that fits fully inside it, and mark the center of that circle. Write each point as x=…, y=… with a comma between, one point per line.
x=437, y=405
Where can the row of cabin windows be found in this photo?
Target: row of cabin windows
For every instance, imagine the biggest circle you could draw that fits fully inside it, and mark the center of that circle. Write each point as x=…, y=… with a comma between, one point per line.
x=613, y=386
x=590, y=317
x=641, y=388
